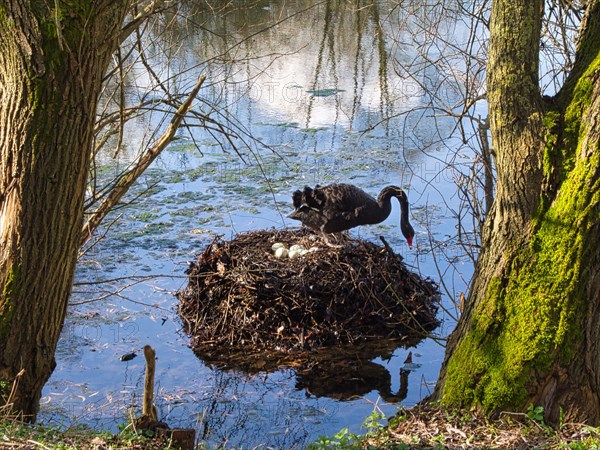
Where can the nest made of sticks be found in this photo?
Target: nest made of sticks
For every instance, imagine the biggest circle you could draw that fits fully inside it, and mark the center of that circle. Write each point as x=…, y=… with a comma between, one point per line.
x=241, y=296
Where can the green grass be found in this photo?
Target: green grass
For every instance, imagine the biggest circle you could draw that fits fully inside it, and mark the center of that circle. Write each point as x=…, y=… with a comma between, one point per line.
x=18, y=435
x=422, y=427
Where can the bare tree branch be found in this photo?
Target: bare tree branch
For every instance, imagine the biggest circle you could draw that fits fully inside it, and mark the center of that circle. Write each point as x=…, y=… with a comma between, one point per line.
x=140, y=17
x=138, y=168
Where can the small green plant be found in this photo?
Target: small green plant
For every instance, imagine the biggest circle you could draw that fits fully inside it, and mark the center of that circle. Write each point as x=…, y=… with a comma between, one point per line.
x=535, y=413
x=372, y=422
x=396, y=419
x=346, y=440
x=343, y=439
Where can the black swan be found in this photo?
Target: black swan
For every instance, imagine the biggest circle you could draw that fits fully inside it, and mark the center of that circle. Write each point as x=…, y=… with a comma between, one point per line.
x=339, y=207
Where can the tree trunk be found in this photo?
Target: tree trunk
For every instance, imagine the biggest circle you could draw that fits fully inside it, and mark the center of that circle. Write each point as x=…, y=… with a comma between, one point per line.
x=529, y=332
x=51, y=68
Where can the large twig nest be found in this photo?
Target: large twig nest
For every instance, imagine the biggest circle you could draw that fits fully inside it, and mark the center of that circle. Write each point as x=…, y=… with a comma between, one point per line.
x=241, y=296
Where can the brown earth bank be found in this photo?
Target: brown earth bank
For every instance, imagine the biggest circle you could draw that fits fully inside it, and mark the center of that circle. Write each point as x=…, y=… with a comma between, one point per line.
x=433, y=427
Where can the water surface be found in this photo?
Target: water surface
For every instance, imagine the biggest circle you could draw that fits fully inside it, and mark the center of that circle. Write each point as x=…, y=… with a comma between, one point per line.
x=317, y=98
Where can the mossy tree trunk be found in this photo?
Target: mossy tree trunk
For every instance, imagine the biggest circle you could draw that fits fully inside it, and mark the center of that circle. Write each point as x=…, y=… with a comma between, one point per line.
x=530, y=333
x=51, y=66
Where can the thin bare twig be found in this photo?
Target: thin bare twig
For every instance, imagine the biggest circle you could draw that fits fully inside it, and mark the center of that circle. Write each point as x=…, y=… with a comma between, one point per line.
x=142, y=164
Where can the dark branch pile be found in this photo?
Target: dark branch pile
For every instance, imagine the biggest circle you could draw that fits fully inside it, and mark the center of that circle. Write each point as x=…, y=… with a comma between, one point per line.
x=240, y=296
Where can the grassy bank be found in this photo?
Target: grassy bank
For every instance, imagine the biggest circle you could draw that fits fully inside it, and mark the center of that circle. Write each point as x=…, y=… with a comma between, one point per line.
x=430, y=427
x=417, y=428
x=19, y=436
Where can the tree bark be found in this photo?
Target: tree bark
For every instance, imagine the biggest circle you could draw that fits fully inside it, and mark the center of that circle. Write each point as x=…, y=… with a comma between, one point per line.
x=529, y=331
x=51, y=68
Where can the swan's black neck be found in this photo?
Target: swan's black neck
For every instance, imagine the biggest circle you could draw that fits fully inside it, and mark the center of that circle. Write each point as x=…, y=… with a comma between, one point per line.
x=384, y=201
x=385, y=196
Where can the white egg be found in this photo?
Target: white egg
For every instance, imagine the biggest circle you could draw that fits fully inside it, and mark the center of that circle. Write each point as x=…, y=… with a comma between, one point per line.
x=297, y=247
x=294, y=253
x=277, y=245
x=281, y=252
x=304, y=252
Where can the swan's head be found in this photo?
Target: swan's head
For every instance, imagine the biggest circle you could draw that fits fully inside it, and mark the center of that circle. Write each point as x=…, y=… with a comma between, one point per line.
x=405, y=227
x=409, y=237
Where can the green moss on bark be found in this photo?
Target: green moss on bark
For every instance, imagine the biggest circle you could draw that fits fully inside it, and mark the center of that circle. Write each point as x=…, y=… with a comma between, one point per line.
x=533, y=315
x=573, y=131
x=65, y=24
x=10, y=291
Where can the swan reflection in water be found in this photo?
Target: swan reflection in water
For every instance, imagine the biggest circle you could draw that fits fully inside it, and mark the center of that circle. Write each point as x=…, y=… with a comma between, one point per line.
x=341, y=373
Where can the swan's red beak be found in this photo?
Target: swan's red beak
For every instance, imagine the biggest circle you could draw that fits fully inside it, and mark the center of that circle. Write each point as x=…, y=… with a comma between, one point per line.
x=409, y=240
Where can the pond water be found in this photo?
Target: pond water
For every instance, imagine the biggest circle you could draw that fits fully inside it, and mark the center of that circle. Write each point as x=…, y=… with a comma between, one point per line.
x=321, y=96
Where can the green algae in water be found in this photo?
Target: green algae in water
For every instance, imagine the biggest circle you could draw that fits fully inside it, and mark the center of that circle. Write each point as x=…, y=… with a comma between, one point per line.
x=192, y=211
x=146, y=216
x=280, y=124
x=328, y=92
x=187, y=197
x=313, y=130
